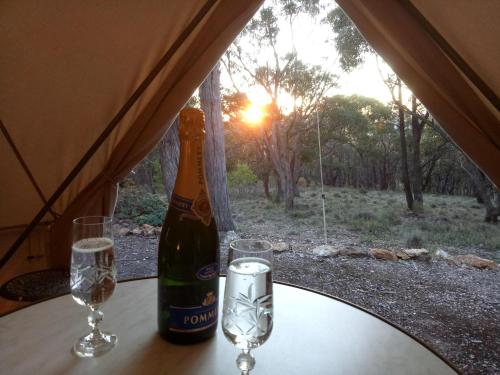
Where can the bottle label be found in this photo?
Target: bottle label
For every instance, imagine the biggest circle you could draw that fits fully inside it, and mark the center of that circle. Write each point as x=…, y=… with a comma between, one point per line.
x=199, y=209
x=181, y=204
x=194, y=319
x=208, y=272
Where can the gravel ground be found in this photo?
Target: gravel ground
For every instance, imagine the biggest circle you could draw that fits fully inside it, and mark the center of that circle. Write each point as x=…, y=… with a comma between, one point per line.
x=453, y=309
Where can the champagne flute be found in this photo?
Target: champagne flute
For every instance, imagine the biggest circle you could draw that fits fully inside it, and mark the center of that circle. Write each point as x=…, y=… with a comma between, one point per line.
x=93, y=279
x=247, y=319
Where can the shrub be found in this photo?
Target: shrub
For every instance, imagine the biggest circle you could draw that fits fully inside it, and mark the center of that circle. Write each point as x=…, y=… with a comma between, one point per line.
x=241, y=176
x=140, y=207
x=242, y=182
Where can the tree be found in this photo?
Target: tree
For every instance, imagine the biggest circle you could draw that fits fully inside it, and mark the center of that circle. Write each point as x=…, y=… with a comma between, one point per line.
x=145, y=173
x=243, y=143
x=405, y=175
x=417, y=126
x=350, y=44
x=281, y=73
x=359, y=142
x=353, y=48
x=169, y=157
x=215, y=159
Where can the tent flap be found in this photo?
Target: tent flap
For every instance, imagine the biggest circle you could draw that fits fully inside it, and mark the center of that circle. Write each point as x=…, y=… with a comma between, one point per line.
x=70, y=71
x=396, y=31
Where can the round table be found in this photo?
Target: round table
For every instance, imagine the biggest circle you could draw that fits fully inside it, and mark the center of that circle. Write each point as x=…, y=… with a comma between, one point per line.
x=312, y=335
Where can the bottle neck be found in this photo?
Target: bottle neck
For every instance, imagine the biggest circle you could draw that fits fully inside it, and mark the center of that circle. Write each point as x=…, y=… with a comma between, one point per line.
x=190, y=182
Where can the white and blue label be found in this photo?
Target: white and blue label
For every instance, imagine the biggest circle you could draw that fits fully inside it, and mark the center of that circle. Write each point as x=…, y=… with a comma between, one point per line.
x=193, y=319
x=208, y=272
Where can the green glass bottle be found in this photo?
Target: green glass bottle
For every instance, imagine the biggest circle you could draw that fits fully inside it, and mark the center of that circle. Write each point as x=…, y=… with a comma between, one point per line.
x=188, y=256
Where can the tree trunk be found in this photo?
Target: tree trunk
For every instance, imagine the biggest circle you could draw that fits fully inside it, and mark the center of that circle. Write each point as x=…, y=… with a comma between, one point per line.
x=265, y=183
x=485, y=190
x=289, y=187
x=296, y=172
x=404, y=151
x=416, y=170
x=169, y=157
x=384, y=178
x=279, y=189
x=143, y=175
x=427, y=181
x=277, y=145
x=215, y=158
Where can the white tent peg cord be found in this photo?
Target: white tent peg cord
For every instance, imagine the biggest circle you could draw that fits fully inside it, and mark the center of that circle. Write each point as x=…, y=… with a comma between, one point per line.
x=321, y=178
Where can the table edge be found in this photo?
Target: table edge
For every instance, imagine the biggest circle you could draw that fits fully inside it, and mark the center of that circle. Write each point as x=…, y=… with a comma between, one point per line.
x=375, y=315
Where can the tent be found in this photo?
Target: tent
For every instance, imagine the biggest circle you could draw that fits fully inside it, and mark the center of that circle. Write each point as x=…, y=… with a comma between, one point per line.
x=88, y=88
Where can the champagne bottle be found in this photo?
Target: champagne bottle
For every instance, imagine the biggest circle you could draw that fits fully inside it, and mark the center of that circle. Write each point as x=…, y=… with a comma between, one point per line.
x=188, y=256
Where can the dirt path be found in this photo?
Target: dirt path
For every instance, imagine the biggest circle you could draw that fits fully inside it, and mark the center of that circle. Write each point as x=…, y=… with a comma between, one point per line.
x=455, y=310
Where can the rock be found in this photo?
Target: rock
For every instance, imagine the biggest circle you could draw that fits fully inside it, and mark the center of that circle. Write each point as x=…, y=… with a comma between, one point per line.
x=383, y=254
x=440, y=253
x=474, y=261
x=280, y=246
x=416, y=252
x=354, y=253
x=123, y=231
x=325, y=251
x=136, y=231
x=147, y=230
x=406, y=254
x=401, y=254
x=157, y=230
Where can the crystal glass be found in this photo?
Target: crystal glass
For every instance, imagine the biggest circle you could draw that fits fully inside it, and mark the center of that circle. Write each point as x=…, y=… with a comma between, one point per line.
x=247, y=319
x=93, y=279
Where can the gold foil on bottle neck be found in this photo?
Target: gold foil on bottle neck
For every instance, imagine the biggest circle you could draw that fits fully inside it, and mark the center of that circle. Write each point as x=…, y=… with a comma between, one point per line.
x=191, y=122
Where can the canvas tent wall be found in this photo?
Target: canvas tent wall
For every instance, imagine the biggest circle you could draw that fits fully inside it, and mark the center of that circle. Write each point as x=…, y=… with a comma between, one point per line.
x=73, y=73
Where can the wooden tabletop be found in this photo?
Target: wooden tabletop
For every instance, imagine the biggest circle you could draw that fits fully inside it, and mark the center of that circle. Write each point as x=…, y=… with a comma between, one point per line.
x=313, y=334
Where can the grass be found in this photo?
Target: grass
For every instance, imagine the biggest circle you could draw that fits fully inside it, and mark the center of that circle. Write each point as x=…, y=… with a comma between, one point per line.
x=373, y=217
x=378, y=217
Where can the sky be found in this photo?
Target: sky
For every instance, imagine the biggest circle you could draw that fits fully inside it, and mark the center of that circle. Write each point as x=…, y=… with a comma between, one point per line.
x=314, y=45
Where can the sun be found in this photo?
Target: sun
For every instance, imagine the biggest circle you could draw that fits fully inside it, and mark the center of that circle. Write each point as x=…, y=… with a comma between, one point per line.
x=253, y=114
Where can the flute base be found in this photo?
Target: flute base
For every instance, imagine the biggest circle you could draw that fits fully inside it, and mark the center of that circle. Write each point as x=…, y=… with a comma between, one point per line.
x=95, y=344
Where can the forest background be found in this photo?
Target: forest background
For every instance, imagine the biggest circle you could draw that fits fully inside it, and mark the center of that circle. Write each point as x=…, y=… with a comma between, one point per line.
x=263, y=127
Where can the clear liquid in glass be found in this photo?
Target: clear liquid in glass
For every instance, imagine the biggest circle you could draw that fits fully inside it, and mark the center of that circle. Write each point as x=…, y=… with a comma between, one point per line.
x=93, y=271
x=248, y=302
